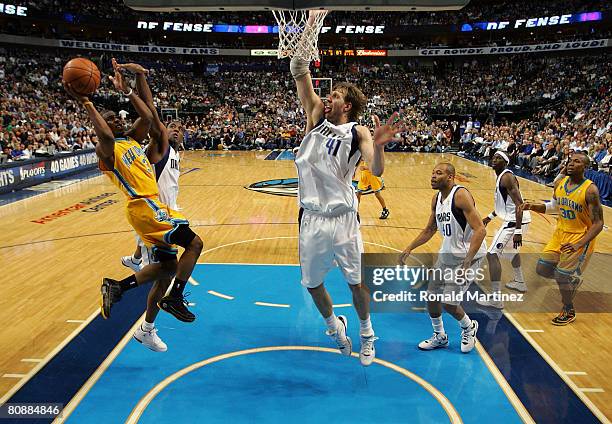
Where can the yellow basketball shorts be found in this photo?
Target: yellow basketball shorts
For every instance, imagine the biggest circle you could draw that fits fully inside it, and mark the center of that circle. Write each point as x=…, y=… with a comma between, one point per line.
x=155, y=222
x=370, y=181
x=567, y=263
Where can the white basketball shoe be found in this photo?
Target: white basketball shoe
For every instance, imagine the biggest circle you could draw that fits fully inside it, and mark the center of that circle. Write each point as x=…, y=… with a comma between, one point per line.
x=150, y=339
x=128, y=261
x=468, y=337
x=367, y=353
x=342, y=340
x=437, y=341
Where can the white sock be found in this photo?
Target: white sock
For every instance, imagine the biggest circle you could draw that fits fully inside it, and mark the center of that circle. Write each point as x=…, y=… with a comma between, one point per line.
x=437, y=324
x=365, y=327
x=465, y=322
x=518, y=274
x=136, y=260
x=147, y=326
x=332, y=323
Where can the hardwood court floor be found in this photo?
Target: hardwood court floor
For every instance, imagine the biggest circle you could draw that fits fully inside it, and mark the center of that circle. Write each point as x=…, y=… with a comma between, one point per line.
x=52, y=267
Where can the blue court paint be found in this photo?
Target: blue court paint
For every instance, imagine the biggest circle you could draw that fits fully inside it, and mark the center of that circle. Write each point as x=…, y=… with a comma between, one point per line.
x=286, y=155
x=300, y=386
x=274, y=378
x=15, y=196
x=273, y=155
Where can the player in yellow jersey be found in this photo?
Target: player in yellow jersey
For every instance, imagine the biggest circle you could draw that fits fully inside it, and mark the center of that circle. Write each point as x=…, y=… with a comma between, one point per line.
x=123, y=160
x=372, y=182
x=580, y=220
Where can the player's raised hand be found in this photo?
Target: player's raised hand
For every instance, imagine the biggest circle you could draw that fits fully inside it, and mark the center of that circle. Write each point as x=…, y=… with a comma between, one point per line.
x=118, y=80
x=314, y=14
x=133, y=67
x=79, y=97
x=384, y=134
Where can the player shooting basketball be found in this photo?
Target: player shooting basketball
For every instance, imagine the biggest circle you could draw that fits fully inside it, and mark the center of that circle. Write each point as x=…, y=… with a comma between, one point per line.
x=329, y=227
x=161, y=228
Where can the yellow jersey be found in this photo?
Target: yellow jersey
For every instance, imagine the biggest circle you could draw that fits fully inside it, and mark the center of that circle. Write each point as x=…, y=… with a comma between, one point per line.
x=574, y=216
x=133, y=174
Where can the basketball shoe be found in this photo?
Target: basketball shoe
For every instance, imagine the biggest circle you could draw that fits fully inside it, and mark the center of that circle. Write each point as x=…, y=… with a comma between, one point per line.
x=342, y=340
x=128, y=261
x=177, y=306
x=437, y=341
x=367, y=353
x=468, y=337
x=150, y=339
x=110, y=294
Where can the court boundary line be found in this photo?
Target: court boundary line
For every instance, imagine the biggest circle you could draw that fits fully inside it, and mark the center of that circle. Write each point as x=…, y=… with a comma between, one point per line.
x=568, y=381
x=30, y=374
x=95, y=376
x=515, y=401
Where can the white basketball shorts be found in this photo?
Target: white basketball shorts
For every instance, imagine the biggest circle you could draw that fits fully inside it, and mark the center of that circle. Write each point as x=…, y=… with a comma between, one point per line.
x=323, y=239
x=502, y=244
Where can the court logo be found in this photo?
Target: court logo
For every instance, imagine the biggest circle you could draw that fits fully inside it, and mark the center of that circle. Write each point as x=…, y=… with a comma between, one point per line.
x=283, y=187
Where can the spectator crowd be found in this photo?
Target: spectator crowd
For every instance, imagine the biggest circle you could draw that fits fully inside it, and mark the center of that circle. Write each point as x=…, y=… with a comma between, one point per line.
x=554, y=105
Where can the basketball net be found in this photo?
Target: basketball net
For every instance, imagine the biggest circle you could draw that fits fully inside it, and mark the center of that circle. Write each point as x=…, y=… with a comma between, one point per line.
x=298, y=37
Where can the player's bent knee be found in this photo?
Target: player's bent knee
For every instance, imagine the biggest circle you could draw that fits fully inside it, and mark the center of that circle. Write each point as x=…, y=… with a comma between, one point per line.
x=183, y=236
x=312, y=288
x=545, y=269
x=563, y=277
x=196, y=244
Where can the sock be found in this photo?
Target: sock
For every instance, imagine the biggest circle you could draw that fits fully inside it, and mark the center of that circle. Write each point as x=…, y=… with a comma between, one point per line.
x=128, y=283
x=332, y=323
x=365, y=327
x=437, y=324
x=177, y=288
x=495, y=286
x=465, y=322
x=147, y=326
x=518, y=274
x=136, y=260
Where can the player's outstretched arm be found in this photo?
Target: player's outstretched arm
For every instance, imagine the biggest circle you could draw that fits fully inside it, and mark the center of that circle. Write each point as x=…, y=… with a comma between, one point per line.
x=373, y=150
x=105, y=149
x=141, y=127
x=428, y=232
x=159, y=133
x=465, y=202
x=312, y=104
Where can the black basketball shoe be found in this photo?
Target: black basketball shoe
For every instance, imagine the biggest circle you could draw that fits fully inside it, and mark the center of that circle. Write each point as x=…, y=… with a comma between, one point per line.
x=111, y=293
x=177, y=306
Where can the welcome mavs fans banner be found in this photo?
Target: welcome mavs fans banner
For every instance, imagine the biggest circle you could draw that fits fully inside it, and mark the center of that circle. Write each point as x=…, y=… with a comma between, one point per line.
x=529, y=48
x=18, y=175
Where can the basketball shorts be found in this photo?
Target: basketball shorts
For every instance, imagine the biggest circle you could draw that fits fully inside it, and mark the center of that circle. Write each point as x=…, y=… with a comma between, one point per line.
x=503, y=241
x=567, y=263
x=323, y=239
x=154, y=223
x=444, y=282
x=369, y=181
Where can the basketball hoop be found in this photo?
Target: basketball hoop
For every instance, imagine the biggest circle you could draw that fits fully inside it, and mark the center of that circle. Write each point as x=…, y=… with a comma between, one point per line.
x=298, y=35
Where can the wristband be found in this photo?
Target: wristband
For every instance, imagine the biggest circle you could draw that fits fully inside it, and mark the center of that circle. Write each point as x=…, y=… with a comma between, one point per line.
x=518, y=231
x=87, y=103
x=491, y=215
x=129, y=93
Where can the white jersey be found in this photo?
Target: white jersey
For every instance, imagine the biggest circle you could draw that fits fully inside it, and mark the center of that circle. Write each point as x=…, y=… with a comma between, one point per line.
x=455, y=230
x=167, y=172
x=325, y=164
x=504, y=205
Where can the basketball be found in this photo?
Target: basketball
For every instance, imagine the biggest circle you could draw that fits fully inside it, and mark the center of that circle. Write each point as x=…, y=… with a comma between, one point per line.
x=82, y=74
